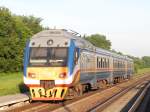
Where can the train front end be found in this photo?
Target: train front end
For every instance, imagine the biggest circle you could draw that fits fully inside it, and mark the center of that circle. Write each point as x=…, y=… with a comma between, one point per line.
x=48, y=65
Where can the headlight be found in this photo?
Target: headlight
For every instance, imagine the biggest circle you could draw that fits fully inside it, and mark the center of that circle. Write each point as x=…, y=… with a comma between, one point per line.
x=62, y=75
x=32, y=75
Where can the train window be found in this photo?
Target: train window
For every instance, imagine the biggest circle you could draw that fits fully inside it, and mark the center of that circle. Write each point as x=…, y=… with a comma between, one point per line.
x=108, y=63
x=117, y=64
x=38, y=53
x=103, y=63
x=42, y=56
x=38, y=56
x=114, y=64
x=76, y=55
x=58, y=56
x=97, y=62
x=120, y=64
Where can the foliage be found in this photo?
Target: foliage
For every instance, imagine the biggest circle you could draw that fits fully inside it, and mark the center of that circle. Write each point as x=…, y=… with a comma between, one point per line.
x=32, y=23
x=140, y=63
x=99, y=41
x=14, y=31
x=146, y=61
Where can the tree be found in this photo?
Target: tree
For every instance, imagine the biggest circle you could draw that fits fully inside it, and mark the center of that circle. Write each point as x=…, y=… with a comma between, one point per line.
x=99, y=41
x=146, y=61
x=32, y=23
x=7, y=24
x=14, y=31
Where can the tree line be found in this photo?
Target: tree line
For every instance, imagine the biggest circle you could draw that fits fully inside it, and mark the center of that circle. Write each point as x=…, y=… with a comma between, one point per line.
x=101, y=41
x=16, y=29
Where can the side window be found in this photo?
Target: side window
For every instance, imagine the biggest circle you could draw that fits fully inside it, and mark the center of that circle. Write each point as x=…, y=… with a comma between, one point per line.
x=114, y=63
x=101, y=62
x=76, y=56
x=97, y=62
x=108, y=63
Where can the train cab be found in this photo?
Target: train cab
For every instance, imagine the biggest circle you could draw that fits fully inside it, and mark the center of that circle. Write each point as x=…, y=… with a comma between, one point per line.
x=49, y=63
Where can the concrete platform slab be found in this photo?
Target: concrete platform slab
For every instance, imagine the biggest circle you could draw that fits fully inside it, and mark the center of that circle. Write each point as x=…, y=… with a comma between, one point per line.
x=11, y=99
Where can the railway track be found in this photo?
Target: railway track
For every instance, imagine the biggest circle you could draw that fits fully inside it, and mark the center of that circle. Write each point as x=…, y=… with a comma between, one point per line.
x=88, y=102
x=142, y=102
x=125, y=101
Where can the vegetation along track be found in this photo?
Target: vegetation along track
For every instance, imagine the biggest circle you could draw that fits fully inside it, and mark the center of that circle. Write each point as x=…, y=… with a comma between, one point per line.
x=87, y=102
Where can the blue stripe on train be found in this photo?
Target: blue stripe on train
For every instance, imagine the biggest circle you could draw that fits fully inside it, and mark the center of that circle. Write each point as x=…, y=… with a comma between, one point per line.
x=88, y=77
x=26, y=57
x=71, y=57
x=93, y=77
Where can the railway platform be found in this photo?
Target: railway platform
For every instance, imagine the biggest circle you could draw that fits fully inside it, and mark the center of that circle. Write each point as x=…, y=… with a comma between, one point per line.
x=9, y=100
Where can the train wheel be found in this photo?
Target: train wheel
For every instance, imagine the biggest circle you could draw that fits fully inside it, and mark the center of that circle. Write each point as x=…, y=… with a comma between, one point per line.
x=102, y=84
x=71, y=93
x=75, y=92
x=79, y=89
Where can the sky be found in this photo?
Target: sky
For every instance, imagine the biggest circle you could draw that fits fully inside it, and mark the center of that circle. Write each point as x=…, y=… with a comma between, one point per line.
x=126, y=23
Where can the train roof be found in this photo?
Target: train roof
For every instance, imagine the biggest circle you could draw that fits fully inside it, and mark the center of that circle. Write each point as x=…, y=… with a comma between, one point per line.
x=79, y=41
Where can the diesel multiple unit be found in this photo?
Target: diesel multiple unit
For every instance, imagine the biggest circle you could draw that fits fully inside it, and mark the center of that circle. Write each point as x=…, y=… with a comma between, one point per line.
x=58, y=64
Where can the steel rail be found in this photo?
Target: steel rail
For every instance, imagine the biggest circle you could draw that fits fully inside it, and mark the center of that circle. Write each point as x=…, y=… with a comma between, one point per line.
x=106, y=103
x=139, y=99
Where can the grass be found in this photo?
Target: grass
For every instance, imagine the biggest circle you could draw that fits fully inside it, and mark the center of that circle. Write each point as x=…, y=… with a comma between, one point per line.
x=142, y=71
x=10, y=83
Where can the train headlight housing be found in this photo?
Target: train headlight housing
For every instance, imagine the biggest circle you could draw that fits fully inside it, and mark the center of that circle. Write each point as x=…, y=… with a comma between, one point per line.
x=50, y=42
x=62, y=75
x=31, y=75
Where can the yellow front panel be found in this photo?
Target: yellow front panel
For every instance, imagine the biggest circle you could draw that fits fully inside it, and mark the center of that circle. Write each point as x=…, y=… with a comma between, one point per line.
x=47, y=73
x=56, y=92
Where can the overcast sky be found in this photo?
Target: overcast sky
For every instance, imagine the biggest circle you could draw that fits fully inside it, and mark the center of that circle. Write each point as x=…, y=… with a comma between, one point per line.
x=126, y=23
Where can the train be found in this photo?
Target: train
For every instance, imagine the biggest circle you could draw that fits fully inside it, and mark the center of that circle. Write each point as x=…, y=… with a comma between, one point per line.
x=59, y=64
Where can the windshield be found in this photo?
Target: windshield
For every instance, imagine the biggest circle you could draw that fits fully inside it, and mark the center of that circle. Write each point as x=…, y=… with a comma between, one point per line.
x=52, y=56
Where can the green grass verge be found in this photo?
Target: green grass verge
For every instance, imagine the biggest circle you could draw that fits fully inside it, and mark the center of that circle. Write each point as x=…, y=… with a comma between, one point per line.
x=11, y=83
x=142, y=71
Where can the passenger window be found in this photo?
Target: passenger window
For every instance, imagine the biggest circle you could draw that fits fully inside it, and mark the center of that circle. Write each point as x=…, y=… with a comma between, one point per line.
x=103, y=63
x=108, y=63
x=97, y=63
